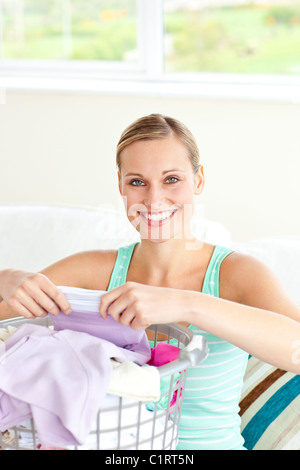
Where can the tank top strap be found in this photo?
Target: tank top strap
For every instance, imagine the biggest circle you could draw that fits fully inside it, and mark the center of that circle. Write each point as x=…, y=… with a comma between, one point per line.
x=211, y=280
x=119, y=274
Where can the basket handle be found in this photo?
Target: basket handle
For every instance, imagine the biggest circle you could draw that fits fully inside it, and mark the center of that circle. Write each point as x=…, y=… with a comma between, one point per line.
x=195, y=353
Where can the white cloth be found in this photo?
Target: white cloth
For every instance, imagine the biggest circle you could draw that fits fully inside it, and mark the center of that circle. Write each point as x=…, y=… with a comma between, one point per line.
x=5, y=333
x=133, y=381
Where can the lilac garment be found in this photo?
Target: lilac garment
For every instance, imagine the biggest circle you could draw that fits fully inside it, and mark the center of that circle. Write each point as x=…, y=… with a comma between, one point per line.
x=85, y=317
x=59, y=378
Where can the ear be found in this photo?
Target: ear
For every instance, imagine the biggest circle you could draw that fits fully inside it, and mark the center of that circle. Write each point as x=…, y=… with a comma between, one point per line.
x=199, y=181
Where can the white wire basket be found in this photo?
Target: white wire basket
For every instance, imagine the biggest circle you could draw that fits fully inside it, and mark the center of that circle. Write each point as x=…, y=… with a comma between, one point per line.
x=125, y=423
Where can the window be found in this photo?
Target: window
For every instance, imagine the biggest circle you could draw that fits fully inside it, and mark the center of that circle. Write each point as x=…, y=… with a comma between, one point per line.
x=233, y=36
x=154, y=41
x=69, y=29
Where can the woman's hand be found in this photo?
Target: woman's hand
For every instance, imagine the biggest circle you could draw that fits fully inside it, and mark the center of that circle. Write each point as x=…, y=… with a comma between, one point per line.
x=31, y=295
x=139, y=306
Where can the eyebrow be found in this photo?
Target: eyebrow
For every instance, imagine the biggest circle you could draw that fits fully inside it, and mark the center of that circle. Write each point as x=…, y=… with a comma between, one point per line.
x=164, y=172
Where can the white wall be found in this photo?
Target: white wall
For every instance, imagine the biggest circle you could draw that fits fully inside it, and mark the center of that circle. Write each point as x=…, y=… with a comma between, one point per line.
x=60, y=148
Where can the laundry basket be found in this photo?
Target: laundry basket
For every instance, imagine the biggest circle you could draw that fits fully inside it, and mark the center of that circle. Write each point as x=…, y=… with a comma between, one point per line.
x=126, y=423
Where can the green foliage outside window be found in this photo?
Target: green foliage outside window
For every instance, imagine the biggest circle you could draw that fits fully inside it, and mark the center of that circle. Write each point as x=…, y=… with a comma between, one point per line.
x=251, y=39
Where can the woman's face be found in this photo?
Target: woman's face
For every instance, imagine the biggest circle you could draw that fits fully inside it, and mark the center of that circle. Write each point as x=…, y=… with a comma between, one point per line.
x=157, y=183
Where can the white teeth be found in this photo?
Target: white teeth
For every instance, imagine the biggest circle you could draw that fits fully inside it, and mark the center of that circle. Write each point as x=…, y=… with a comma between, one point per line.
x=160, y=216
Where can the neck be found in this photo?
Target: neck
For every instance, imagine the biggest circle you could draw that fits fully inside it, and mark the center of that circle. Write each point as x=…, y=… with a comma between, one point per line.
x=162, y=260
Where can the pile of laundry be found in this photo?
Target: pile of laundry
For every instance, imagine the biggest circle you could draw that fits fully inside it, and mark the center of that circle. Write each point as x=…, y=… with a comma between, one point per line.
x=61, y=377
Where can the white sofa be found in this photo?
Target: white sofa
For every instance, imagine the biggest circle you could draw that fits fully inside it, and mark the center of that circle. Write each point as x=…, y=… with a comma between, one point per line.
x=34, y=236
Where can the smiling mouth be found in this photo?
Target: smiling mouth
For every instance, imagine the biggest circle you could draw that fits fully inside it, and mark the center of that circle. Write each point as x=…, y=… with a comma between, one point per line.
x=157, y=217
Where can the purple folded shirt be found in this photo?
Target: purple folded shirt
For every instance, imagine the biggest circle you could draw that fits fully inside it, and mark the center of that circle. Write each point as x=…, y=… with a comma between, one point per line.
x=60, y=377
x=85, y=317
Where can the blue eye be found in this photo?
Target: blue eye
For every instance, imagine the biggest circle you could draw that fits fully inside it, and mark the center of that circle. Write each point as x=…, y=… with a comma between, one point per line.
x=137, y=183
x=172, y=179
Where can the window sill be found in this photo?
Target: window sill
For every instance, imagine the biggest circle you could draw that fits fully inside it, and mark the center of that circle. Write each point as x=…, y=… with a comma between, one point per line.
x=223, y=87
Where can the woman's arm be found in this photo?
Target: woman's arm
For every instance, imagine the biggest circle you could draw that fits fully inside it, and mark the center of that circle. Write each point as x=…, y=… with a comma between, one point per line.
x=35, y=294
x=267, y=326
x=30, y=295
x=268, y=335
x=255, y=285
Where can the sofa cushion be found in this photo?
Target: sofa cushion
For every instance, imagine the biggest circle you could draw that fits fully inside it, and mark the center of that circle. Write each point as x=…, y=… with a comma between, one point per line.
x=270, y=408
x=34, y=236
x=282, y=255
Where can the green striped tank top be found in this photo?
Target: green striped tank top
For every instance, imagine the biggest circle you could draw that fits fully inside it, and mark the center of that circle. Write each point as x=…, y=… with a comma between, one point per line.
x=209, y=418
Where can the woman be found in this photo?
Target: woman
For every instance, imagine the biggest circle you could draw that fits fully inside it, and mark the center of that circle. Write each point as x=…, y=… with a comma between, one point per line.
x=169, y=276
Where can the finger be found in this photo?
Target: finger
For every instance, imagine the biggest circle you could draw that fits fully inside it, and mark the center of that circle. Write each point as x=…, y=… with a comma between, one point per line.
x=117, y=308
x=131, y=317
x=46, y=302
x=61, y=301
x=108, y=299
x=48, y=296
x=20, y=309
x=138, y=324
x=126, y=317
x=29, y=304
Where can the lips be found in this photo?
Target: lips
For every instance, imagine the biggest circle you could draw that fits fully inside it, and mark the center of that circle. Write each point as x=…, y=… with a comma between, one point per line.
x=158, y=218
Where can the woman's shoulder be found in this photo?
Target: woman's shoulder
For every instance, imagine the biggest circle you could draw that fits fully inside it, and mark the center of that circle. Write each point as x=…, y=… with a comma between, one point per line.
x=87, y=269
x=244, y=277
x=241, y=266
x=256, y=285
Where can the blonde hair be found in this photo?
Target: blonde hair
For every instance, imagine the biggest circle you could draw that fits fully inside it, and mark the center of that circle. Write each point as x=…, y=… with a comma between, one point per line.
x=157, y=126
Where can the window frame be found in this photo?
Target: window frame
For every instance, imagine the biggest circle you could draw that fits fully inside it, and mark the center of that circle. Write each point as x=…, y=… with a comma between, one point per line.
x=147, y=77
x=150, y=52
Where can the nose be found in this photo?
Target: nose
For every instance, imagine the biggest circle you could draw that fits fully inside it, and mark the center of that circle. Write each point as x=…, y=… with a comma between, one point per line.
x=154, y=196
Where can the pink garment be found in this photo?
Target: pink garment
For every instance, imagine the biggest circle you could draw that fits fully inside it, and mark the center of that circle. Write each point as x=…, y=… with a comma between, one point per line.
x=59, y=378
x=162, y=354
